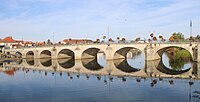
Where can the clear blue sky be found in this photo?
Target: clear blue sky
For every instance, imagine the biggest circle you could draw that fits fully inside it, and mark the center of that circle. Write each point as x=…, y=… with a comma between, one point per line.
x=39, y=20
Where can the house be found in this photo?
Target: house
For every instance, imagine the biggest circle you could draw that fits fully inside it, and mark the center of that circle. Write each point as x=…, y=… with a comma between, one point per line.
x=76, y=41
x=9, y=42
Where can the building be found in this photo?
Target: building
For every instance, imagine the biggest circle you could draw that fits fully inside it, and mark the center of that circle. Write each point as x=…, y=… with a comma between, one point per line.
x=76, y=41
x=9, y=42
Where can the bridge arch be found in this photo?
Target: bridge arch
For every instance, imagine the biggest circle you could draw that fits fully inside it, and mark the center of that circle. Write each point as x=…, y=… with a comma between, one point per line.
x=65, y=53
x=30, y=54
x=161, y=50
x=121, y=53
x=90, y=53
x=45, y=54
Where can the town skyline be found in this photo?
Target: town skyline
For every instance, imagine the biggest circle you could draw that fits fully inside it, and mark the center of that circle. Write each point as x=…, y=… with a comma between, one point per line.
x=40, y=20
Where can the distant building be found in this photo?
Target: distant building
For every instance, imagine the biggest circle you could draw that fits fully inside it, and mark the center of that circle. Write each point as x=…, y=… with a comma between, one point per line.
x=9, y=42
x=40, y=43
x=76, y=41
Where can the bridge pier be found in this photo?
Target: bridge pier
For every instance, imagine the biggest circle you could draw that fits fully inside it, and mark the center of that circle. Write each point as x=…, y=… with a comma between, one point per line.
x=78, y=55
x=109, y=53
x=151, y=53
x=36, y=54
x=196, y=53
x=54, y=53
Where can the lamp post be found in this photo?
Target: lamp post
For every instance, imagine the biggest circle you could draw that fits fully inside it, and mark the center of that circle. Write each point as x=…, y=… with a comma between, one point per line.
x=53, y=38
x=190, y=32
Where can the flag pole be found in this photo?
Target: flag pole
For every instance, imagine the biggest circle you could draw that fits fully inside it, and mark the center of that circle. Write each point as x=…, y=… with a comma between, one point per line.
x=190, y=32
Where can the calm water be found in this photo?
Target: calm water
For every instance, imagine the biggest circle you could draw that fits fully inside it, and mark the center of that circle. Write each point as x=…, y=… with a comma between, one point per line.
x=88, y=81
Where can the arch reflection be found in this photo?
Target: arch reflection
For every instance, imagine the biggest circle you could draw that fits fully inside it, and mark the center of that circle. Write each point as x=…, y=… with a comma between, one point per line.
x=31, y=62
x=46, y=62
x=123, y=65
x=162, y=68
x=115, y=67
x=66, y=63
x=19, y=61
x=91, y=64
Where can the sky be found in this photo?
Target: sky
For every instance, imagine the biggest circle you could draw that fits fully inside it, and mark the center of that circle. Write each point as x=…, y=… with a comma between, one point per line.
x=39, y=20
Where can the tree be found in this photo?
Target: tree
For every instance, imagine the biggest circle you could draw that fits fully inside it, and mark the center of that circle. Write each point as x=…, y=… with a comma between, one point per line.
x=171, y=39
x=176, y=37
x=123, y=39
x=149, y=40
x=137, y=39
x=97, y=41
x=104, y=37
x=110, y=40
x=48, y=42
x=118, y=38
x=197, y=39
x=151, y=35
x=154, y=38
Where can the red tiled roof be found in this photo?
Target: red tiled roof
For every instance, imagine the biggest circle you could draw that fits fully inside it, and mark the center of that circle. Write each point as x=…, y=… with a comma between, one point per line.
x=9, y=72
x=8, y=39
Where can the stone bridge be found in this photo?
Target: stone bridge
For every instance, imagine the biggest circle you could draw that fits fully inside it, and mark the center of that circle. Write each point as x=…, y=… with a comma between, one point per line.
x=152, y=51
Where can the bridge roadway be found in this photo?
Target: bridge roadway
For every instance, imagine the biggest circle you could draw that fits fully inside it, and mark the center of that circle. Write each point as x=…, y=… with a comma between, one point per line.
x=112, y=67
x=152, y=51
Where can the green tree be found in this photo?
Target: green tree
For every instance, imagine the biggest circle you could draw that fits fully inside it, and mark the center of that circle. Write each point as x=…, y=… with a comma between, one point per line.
x=123, y=40
x=177, y=37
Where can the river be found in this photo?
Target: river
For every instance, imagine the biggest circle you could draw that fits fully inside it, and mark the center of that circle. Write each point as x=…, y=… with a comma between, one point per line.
x=97, y=80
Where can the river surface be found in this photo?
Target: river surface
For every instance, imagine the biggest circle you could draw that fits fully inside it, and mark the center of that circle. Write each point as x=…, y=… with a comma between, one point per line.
x=97, y=80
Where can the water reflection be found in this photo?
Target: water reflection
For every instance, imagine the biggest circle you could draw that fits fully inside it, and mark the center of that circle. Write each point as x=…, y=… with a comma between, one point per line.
x=176, y=64
x=115, y=68
x=46, y=62
x=91, y=64
x=66, y=63
x=124, y=66
x=117, y=80
x=30, y=61
x=162, y=68
x=136, y=59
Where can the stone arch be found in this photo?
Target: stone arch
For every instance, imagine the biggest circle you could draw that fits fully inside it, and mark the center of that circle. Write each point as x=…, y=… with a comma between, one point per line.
x=18, y=54
x=122, y=52
x=66, y=53
x=160, y=51
x=30, y=54
x=90, y=53
x=45, y=54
